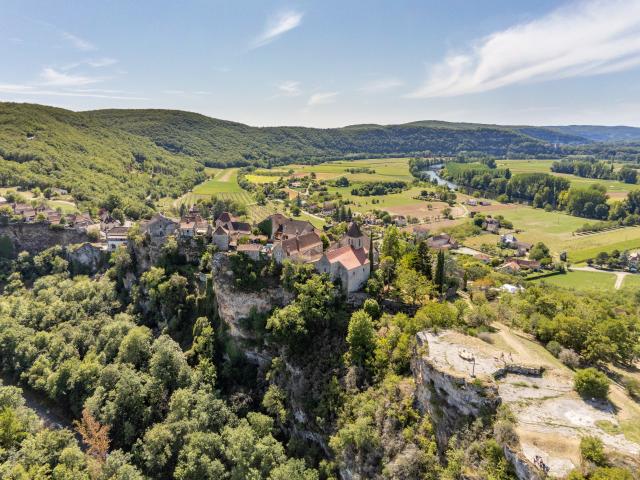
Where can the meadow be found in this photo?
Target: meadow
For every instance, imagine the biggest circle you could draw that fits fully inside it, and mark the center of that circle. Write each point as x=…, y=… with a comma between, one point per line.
x=580, y=280
x=555, y=229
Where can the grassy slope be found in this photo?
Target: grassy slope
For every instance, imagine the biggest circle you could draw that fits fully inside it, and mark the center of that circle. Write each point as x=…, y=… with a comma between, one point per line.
x=73, y=151
x=582, y=280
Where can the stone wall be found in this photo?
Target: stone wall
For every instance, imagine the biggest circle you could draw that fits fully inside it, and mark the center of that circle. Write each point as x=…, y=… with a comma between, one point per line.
x=36, y=237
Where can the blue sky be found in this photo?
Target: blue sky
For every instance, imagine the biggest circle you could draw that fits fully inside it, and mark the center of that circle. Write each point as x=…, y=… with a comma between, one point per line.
x=330, y=63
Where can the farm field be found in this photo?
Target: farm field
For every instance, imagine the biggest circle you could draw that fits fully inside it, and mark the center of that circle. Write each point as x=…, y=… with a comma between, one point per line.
x=631, y=281
x=617, y=190
x=580, y=280
x=556, y=229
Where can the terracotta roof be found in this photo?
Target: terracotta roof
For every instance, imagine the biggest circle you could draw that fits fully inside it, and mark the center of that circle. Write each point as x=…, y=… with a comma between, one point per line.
x=187, y=225
x=511, y=266
x=354, y=230
x=348, y=256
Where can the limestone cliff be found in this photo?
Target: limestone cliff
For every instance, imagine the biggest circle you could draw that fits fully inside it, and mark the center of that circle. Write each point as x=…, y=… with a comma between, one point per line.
x=460, y=378
x=234, y=305
x=36, y=237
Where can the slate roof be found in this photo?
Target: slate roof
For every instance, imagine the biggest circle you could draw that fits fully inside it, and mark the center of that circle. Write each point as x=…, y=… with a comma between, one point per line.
x=354, y=230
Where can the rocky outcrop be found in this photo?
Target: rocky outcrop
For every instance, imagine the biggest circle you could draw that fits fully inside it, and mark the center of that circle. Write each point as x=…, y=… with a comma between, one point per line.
x=452, y=399
x=234, y=305
x=460, y=378
x=86, y=258
x=36, y=237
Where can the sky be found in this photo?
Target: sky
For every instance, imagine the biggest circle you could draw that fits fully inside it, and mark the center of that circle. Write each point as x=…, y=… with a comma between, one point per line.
x=330, y=63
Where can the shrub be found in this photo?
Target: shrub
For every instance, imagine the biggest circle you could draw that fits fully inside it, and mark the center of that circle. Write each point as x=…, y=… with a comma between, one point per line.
x=592, y=450
x=570, y=358
x=633, y=387
x=591, y=383
x=505, y=432
x=554, y=348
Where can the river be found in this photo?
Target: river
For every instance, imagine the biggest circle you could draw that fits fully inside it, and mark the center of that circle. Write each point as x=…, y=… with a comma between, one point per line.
x=432, y=174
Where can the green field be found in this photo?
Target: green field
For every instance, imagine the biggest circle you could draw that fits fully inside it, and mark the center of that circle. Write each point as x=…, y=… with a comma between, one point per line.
x=631, y=281
x=615, y=188
x=556, y=229
x=582, y=280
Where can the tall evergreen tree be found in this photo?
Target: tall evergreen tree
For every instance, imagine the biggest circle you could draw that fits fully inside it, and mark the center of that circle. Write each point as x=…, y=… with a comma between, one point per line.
x=440, y=280
x=371, y=263
x=424, y=264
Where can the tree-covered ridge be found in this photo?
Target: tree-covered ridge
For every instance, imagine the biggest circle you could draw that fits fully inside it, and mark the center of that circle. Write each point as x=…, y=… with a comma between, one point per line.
x=51, y=147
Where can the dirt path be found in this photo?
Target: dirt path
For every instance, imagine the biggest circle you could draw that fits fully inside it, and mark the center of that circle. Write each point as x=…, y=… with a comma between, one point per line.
x=226, y=176
x=619, y=275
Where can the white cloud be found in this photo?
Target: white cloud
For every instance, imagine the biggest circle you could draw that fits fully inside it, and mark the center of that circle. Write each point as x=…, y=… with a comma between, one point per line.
x=102, y=62
x=276, y=26
x=79, y=43
x=30, y=90
x=590, y=37
x=289, y=88
x=382, y=85
x=322, y=98
x=59, y=79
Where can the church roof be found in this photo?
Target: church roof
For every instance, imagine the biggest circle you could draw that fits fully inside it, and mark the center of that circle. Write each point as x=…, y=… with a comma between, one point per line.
x=348, y=256
x=354, y=230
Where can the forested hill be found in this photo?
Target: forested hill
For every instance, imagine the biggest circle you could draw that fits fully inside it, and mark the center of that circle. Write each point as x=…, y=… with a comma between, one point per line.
x=220, y=142
x=145, y=154
x=51, y=147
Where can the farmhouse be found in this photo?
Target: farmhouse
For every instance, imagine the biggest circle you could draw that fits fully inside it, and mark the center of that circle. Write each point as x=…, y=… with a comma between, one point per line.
x=252, y=250
x=116, y=237
x=443, y=241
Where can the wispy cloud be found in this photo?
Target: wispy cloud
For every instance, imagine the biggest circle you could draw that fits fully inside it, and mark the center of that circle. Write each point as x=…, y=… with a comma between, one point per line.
x=322, y=98
x=590, y=37
x=55, y=78
x=79, y=43
x=102, y=62
x=382, y=85
x=30, y=90
x=289, y=88
x=276, y=26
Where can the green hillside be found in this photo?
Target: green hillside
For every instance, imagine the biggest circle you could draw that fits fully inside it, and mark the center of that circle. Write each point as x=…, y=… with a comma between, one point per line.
x=44, y=146
x=141, y=155
x=219, y=143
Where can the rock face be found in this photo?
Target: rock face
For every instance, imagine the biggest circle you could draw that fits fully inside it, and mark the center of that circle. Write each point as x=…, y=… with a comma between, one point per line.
x=36, y=237
x=459, y=378
x=86, y=258
x=233, y=305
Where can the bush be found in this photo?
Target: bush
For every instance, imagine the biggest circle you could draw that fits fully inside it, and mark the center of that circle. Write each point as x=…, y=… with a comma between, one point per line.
x=569, y=358
x=633, y=387
x=592, y=450
x=591, y=383
x=554, y=348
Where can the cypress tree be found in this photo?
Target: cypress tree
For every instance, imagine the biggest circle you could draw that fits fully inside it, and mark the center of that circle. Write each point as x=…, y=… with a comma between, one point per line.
x=424, y=260
x=440, y=273
x=373, y=267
